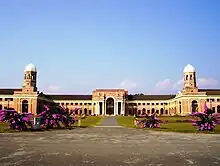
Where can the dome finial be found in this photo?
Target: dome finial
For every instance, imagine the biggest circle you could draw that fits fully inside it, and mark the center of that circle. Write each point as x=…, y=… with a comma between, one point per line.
x=30, y=67
x=189, y=69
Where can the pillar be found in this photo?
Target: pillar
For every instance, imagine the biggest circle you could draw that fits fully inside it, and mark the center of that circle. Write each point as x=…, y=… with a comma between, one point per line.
x=103, y=108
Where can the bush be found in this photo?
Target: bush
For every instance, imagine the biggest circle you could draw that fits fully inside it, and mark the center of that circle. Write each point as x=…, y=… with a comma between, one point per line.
x=149, y=122
x=205, y=121
x=17, y=121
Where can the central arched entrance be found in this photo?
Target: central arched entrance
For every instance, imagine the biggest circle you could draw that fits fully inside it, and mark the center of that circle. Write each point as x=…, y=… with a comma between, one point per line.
x=110, y=106
x=24, y=106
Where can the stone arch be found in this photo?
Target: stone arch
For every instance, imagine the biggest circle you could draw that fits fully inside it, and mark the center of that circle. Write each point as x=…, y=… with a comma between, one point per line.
x=143, y=111
x=218, y=109
x=85, y=111
x=24, y=106
x=161, y=111
x=110, y=102
x=152, y=110
x=194, y=106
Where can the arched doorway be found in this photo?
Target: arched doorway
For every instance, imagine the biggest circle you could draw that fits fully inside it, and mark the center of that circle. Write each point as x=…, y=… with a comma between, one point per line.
x=218, y=109
x=85, y=111
x=161, y=111
x=194, y=106
x=24, y=106
x=110, y=106
x=143, y=111
x=0, y=107
x=152, y=111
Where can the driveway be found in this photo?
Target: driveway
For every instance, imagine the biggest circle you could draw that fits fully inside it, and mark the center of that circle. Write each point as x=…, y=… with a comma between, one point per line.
x=101, y=146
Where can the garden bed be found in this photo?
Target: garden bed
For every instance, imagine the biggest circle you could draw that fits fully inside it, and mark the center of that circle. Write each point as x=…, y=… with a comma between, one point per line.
x=89, y=121
x=175, y=124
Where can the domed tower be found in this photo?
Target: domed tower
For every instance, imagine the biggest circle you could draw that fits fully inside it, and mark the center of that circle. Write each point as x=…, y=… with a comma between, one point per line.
x=30, y=78
x=190, y=79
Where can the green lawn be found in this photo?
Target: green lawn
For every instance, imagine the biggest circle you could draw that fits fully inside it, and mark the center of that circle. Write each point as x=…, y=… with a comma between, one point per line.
x=172, y=125
x=89, y=121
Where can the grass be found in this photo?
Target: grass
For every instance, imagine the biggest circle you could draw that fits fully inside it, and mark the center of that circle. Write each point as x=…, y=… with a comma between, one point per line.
x=89, y=121
x=171, y=126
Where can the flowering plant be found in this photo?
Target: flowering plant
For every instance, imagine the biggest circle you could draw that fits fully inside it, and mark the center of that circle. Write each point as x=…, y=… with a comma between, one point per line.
x=205, y=121
x=51, y=118
x=148, y=122
x=17, y=121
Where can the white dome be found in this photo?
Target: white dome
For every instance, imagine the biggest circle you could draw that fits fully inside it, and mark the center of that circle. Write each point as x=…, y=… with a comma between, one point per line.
x=30, y=67
x=189, y=69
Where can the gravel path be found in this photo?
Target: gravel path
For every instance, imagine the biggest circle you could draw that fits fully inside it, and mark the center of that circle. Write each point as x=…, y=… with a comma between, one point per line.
x=108, y=146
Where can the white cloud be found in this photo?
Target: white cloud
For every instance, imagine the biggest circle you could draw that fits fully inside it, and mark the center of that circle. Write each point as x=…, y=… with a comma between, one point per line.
x=128, y=84
x=53, y=88
x=168, y=85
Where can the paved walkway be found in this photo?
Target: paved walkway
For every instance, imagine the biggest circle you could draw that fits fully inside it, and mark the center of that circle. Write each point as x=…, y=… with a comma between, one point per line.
x=109, y=121
x=108, y=146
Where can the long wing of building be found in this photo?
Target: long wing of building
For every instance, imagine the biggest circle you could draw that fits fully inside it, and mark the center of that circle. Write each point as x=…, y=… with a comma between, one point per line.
x=112, y=101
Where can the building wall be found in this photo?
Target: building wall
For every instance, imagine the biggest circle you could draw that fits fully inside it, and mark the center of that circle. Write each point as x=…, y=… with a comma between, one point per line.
x=180, y=105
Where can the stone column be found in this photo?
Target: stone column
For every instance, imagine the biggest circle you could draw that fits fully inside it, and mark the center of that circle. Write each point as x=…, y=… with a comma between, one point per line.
x=103, y=108
x=122, y=108
x=97, y=108
x=116, y=108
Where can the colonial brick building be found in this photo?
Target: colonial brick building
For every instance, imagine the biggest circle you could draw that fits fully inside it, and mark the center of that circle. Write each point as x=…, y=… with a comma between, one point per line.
x=112, y=101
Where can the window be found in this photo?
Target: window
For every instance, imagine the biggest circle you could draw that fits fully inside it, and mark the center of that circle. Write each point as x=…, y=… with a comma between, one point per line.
x=148, y=111
x=148, y=103
x=157, y=103
x=139, y=103
x=85, y=103
x=71, y=103
x=0, y=99
x=207, y=100
x=143, y=103
x=76, y=103
x=152, y=103
x=8, y=99
x=62, y=103
x=81, y=104
x=161, y=103
x=90, y=103
x=218, y=100
x=157, y=111
x=94, y=103
x=166, y=111
x=67, y=103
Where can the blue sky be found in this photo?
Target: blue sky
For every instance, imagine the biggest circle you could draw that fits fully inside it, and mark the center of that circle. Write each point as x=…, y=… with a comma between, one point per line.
x=78, y=46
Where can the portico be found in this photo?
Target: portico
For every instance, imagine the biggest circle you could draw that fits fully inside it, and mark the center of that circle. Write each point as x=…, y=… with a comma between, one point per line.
x=109, y=101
